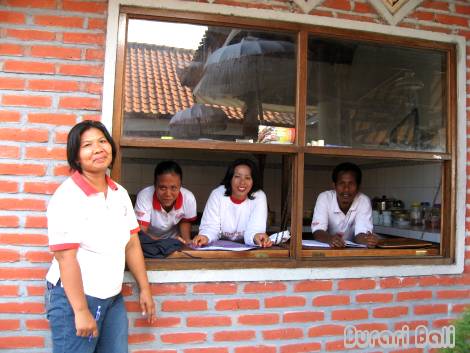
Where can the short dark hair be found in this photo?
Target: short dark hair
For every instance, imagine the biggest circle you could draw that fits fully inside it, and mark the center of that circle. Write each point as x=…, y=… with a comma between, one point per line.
x=347, y=167
x=74, y=140
x=255, y=176
x=167, y=167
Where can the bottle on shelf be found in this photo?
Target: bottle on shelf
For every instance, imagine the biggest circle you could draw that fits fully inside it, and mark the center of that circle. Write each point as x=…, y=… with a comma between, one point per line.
x=415, y=214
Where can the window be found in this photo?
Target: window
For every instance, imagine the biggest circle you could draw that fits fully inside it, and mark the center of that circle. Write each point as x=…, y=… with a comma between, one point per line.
x=297, y=100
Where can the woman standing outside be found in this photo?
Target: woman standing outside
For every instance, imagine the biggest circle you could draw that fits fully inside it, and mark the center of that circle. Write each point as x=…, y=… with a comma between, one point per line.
x=92, y=233
x=237, y=210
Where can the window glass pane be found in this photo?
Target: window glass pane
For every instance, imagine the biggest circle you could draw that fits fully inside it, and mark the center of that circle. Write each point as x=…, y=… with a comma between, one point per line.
x=379, y=96
x=203, y=172
x=404, y=199
x=209, y=83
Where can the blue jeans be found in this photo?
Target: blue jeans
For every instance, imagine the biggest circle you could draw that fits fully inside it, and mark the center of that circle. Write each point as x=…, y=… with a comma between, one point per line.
x=112, y=324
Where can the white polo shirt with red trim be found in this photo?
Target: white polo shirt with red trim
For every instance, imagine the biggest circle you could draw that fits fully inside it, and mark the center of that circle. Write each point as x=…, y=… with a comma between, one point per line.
x=100, y=227
x=328, y=216
x=164, y=224
x=227, y=218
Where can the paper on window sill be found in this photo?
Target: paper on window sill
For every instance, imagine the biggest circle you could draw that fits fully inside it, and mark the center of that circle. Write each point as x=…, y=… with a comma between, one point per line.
x=319, y=244
x=226, y=245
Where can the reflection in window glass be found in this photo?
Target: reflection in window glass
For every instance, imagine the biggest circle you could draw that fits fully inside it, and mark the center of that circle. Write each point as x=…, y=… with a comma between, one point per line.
x=376, y=96
x=216, y=83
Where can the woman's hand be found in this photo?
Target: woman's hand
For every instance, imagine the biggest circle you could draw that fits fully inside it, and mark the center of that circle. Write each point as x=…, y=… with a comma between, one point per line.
x=147, y=305
x=369, y=239
x=262, y=239
x=336, y=241
x=200, y=240
x=85, y=324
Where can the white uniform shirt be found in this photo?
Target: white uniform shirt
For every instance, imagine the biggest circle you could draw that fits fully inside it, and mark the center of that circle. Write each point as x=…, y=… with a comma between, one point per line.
x=79, y=217
x=328, y=216
x=164, y=224
x=229, y=219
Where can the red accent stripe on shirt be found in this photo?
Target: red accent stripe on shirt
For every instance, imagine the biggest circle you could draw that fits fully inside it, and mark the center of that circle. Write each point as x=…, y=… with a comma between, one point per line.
x=188, y=219
x=135, y=231
x=65, y=246
x=143, y=223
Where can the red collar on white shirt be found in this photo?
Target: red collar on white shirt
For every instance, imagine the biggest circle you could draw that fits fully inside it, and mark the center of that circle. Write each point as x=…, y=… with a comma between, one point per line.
x=85, y=185
x=236, y=201
x=158, y=206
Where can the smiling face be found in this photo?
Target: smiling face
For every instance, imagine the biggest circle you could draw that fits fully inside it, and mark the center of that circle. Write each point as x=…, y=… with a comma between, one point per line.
x=168, y=187
x=241, y=182
x=95, y=153
x=346, y=190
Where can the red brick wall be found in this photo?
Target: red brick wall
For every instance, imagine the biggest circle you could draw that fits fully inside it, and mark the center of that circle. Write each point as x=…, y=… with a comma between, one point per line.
x=51, y=75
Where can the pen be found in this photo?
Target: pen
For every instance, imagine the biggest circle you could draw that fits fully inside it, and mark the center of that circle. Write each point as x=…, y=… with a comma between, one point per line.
x=97, y=317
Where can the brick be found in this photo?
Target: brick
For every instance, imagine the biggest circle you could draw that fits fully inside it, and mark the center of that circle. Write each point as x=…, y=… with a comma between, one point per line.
x=159, y=322
x=140, y=338
x=436, y=5
x=388, y=312
x=36, y=222
x=92, y=88
x=326, y=330
x=60, y=137
x=335, y=345
x=9, y=290
x=94, y=54
x=208, y=321
x=264, y=287
x=284, y=302
x=8, y=255
x=23, y=239
x=12, y=17
x=437, y=281
x=349, y=314
x=32, y=187
x=36, y=291
x=453, y=294
x=27, y=101
x=36, y=273
x=463, y=10
x=15, y=342
x=84, y=38
x=9, y=222
x=306, y=347
x=82, y=103
x=356, y=284
x=8, y=186
x=423, y=16
x=372, y=326
x=313, y=286
x=374, y=298
x=12, y=83
x=430, y=309
x=96, y=23
x=451, y=20
x=238, y=335
x=22, y=204
x=81, y=70
x=442, y=322
x=38, y=256
x=155, y=351
x=184, y=305
x=364, y=8
x=395, y=282
x=22, y=308
x=38, y=324
x=255, y=349
x=460, y=308
x=53, y=86
x=331, y=300
x=168, y=289
x=237, y=304
x=418, y=295
x=38, y=4
x=283, y=334
x=9, y=116
x=412, y=325
x=32, y=67
x=9, y=152
x=183, y=337
x=337, y=4
x=59, y=21
x=9, y=325
x=22, y=169
x=30, y=34
x=215, y=288
x=58, y=153
x=11, y=49
x=84, y=6
x=258, y=319
x=50, y=51
x=24, y=135
x=206, y=350
x=303, y=316
x=62, y=170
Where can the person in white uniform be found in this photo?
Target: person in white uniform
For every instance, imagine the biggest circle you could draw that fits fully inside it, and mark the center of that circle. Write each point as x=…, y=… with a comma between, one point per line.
x=344, y=213
x=166, y=209
x=237, y=210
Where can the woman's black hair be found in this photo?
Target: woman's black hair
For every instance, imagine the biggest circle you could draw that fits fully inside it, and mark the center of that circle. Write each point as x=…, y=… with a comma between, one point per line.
x=347, y=167
x=227, y=180
x=167, y=167
x=74, y=140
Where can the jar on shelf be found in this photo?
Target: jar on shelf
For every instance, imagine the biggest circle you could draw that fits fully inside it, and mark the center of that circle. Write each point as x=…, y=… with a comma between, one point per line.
x=415, y=214
x=436, y=217
x=426, y=214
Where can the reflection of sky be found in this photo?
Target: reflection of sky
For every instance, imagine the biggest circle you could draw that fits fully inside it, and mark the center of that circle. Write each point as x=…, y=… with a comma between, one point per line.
x=176, y=35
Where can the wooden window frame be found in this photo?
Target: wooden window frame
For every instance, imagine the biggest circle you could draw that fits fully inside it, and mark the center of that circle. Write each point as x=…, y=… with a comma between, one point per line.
x=298, y=258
